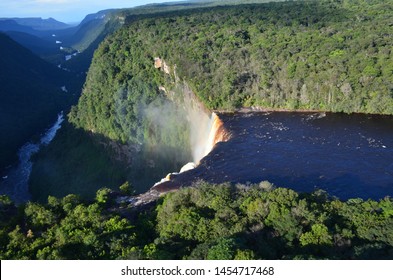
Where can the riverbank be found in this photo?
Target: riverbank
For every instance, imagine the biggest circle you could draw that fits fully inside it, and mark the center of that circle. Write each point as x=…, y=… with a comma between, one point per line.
x=258, y=109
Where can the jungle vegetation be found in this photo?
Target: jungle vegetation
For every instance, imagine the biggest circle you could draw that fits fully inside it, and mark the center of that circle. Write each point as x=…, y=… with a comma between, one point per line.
x=321, y=55
x=202, y=221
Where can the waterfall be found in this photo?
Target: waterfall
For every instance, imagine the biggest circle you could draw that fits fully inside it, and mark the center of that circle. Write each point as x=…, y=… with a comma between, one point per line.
x=218, y=133
x=206, y=129
x=206, y=134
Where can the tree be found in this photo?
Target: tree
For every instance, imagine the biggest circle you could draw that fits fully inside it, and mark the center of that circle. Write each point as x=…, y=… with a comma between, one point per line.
x=103, y=196
x=223, y=250
x=319, y=235
x=126, y=189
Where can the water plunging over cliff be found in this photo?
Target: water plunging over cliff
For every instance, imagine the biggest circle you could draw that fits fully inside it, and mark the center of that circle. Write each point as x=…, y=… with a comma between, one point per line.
x=205, y=132
x=346, y=155
x=210, y=131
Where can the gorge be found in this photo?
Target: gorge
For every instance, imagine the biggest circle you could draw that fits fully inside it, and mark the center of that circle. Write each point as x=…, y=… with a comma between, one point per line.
x=309, y=60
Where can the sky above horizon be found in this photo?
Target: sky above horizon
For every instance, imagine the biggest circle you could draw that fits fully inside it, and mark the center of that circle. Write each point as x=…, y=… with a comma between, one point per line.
x=67, y=11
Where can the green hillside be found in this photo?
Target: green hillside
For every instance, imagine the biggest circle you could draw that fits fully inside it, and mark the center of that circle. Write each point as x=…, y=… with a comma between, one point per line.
x=87, y=38
x=95, y=27
x=319, y=55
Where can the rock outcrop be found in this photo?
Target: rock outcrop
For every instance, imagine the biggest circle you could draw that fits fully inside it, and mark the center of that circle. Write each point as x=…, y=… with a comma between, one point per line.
x=161, y=64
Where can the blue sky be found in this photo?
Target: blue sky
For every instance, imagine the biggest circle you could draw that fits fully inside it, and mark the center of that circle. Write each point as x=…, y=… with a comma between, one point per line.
x=64, y=10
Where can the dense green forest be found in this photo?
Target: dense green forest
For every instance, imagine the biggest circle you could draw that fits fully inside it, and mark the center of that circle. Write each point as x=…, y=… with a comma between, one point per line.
x=322, y=55
x=202, y=221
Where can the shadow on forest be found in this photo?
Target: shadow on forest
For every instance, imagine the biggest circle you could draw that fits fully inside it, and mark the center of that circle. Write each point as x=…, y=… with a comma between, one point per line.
x=80, y=162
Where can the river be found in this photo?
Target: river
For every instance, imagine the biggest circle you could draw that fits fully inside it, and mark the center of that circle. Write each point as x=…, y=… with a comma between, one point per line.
x=346, y=155
x=15, y=183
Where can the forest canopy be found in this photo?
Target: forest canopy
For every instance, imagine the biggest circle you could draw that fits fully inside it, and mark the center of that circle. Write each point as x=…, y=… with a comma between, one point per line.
x=320, y=55
x=202, y=221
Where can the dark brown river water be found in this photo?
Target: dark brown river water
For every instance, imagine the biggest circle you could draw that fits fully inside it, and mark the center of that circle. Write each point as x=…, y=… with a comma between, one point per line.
x=346, y=155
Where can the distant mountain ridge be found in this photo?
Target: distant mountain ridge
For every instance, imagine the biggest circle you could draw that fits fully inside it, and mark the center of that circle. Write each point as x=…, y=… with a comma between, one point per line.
x=38, y=23
x=53, y=40
x=12, y=25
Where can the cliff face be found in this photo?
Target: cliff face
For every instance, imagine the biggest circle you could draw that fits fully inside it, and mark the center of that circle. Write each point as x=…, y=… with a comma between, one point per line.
x=205, y=128
x=160, y=63
x=157, y=121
